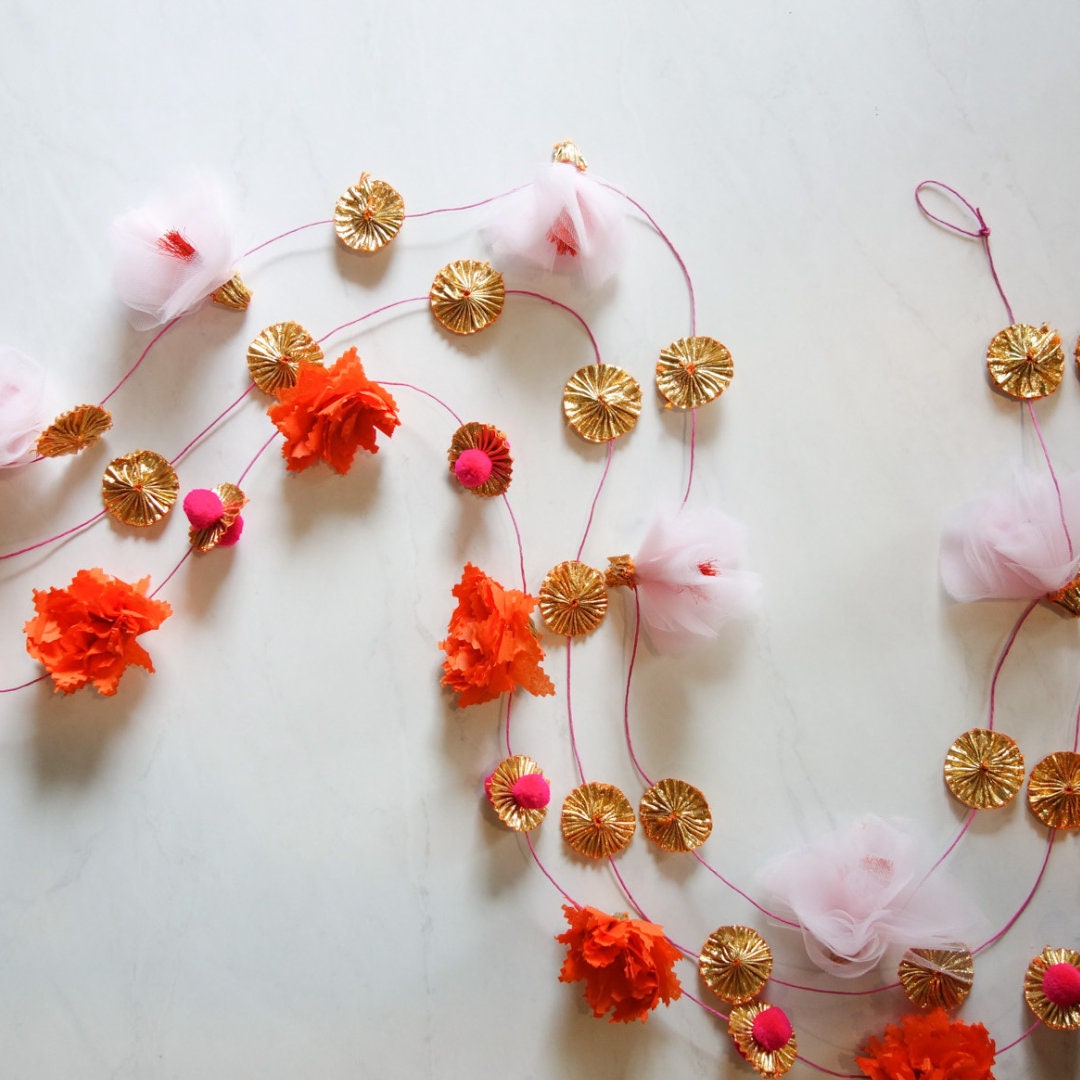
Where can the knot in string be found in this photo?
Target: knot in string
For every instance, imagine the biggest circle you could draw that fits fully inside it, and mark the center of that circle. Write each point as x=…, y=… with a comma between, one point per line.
x=980, y=233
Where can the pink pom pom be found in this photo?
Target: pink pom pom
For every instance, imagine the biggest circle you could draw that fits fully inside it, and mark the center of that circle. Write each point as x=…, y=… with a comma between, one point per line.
x=203, y=507
x=232, y=534
x=472, y=468
x=532, y=791
x=487, y=785
x=771, y=1029
x=1061, y=984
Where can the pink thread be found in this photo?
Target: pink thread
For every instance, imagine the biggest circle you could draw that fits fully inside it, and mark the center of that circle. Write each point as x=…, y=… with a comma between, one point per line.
x=1076, y=732
x=835, y=993
x=596, y=497
x=427, y=394
x=570, y=713
x=1001, y=659
x=693, y=446
x=142, y=356
x=693, y=953
x=506, y=724
x=1027, y=900
x=520, y=546
x=829, y=1072
x=172, y=572
x=259, y=454
x=52, y=539
x=209, y=427
x=467, y=206
x=1016, y=1042
x=288, y=232
x=565, y=307
x=22, y=686
x=372, y=314
x=543, y=870
x=1053, y=475
x=626, y=696
x=708, y=1008
x=746, y=896
x=949, y=850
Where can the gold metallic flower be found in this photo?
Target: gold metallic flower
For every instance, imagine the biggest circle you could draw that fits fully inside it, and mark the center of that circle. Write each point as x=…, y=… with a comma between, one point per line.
x=369, y=214
x=984, y=769
x=501, y=793
x=234, y=294
x=1059, y=1015
x=1068, y=598
x=275, y=355
x=1054, y=790
x=937, y=978
x=467, y=295
x=601, y=402
x=1025, y=362
x=675, y=815
x=73, y=431
x=597, y=820
x=620, y=572
x=568, y=153
x=735, y=963
x=769, y=1063
x=139, y=488
x=492, y=442
x=233, y=500
x=693, y=371
x=573, y=599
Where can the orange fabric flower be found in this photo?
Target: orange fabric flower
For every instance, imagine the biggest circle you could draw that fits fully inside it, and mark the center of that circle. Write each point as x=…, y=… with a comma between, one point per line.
x=626, y=964
x=491, y=646
x=86, y=633
x=930, y=1047
x=330, y=413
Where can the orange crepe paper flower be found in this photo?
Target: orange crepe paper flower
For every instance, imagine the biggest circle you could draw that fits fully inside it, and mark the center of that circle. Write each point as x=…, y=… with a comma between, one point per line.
x=330, y=413
x=86, y=633
x=626, y=964
x=930, y=1047
x=491, y=646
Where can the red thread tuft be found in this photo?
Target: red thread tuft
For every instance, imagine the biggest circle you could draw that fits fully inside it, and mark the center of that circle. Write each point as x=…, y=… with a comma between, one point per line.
x=174, y=244
x=564, y=236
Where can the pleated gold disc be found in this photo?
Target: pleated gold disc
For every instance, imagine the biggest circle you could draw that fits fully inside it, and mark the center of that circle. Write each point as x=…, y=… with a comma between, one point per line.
x=568, y=153
x=937, y=978
x=467, y=295
x=693, y=371
x=73, y=431
x=573, y=599
x=675, y=815
x=275, y=356
x=1068, y=598
x=491, y=441
x=234, y=294
x=233, y=500
x=1026, y=362
x=368, y=215
x=1058, y=1017
x=139, y=488
x=984, y=769
x=741, y=1029
x=1054, y=790
x=597, y=820
x=621, y=572
x=601, y=402
x=735, y=963
x=501, y=793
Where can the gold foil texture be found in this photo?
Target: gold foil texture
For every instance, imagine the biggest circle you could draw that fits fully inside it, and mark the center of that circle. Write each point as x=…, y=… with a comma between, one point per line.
x=568, y=153
x=741, y=1029
x=573, y=599
x=597, y=820
x=233, y=500
x=1059, y=1018
x=675, y=815
x=937, y=978
x=368, y=215
x=620, y=572
x=1068, y=598
x=467, y=296
x=1054, y=790
x=735, y=963
x=601, y=402
x=693, y=371
x=984, y=769
x=234, y=294
x=73, y=431
x=1026, y=362
x=139, y=488
x=491, y=441
x=275, y=356
x=501, y=793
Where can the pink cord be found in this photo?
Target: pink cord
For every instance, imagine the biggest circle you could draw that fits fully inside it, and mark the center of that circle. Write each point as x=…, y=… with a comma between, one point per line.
x=692, y=953
x=1027, y=900
x=288, y=232
x=468, y=206
x=570, y=713
x=749, y=899
x=1016, y=1042
x=949, y=850
x=1053, y=475
x=835, y=993
x=596, y=497
x=565, y=307
x=372, y=314
x=52, y=539
x=520, y=546
x=693, y=446
x=184, y=559
x=209, y=427
x=1076, y=732
x=22, y=686
x=1001, y=659
x=142, y=356
x=708, y=1008
x=626, y=697
x=509, y=709
x=251, y=464
x=427, y=394
x=543, y=869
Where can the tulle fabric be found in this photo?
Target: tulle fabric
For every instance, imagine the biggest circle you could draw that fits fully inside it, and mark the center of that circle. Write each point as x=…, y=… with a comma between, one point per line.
x=565, y=221
x=155, y=282
x=858, y=891
x=687, y=579
x=1011, y=545
x=22, y=407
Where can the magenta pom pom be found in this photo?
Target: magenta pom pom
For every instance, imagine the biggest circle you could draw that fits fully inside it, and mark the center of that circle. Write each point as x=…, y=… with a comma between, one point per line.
x=771, y=1029
x=472, y=468
x=1061, y=984
x=232, y=534
x=202, y=507
x=532, y=791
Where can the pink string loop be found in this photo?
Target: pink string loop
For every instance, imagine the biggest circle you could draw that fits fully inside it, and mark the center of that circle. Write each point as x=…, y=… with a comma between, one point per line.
x=983, y=229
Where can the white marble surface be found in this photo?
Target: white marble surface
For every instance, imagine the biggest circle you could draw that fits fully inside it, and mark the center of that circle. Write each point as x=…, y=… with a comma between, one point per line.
x=271, y=858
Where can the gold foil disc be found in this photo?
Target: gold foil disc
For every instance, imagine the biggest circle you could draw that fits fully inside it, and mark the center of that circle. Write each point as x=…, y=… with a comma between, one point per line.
x=601, y=402
x=937, y=978
x=139, y=488
x=233, y=500
x=741, y=1029
x=492, y=442
x=569, y=154
x=234, y=294
x=1058, y=1017
x=1054, y=790
x=573, y=599
x=984, y=769
x=735, y=963
x=275, y=355
x=1068, y=598
x=675, y=815
x=620, y=572
x=501, y=793
x=693, y=371
x=1026, y=362
x=597, y=820
x=73, y=431
x=368, y=215
x=467, y=295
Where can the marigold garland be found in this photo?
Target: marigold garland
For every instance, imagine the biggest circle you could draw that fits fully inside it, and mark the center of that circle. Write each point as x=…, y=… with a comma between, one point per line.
x=626, y=964
x=86, y=633
x=330, y=413
x=929, y=1047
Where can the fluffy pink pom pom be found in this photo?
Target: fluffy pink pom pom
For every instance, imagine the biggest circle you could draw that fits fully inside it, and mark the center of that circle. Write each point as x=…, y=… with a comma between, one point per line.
x=170, y=255
x=860, y=890
x=565, y=221
x=203, y=507
x=22, y=407
x=232, y=533
x=686, y=578
x=1012, y=545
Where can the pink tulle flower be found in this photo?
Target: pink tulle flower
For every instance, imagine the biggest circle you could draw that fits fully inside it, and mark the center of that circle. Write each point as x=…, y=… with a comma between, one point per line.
x=686, y=578
x=860, y=890
x=22, y=407
x=1012, y=545
x=171, y=254
x=565, y=221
